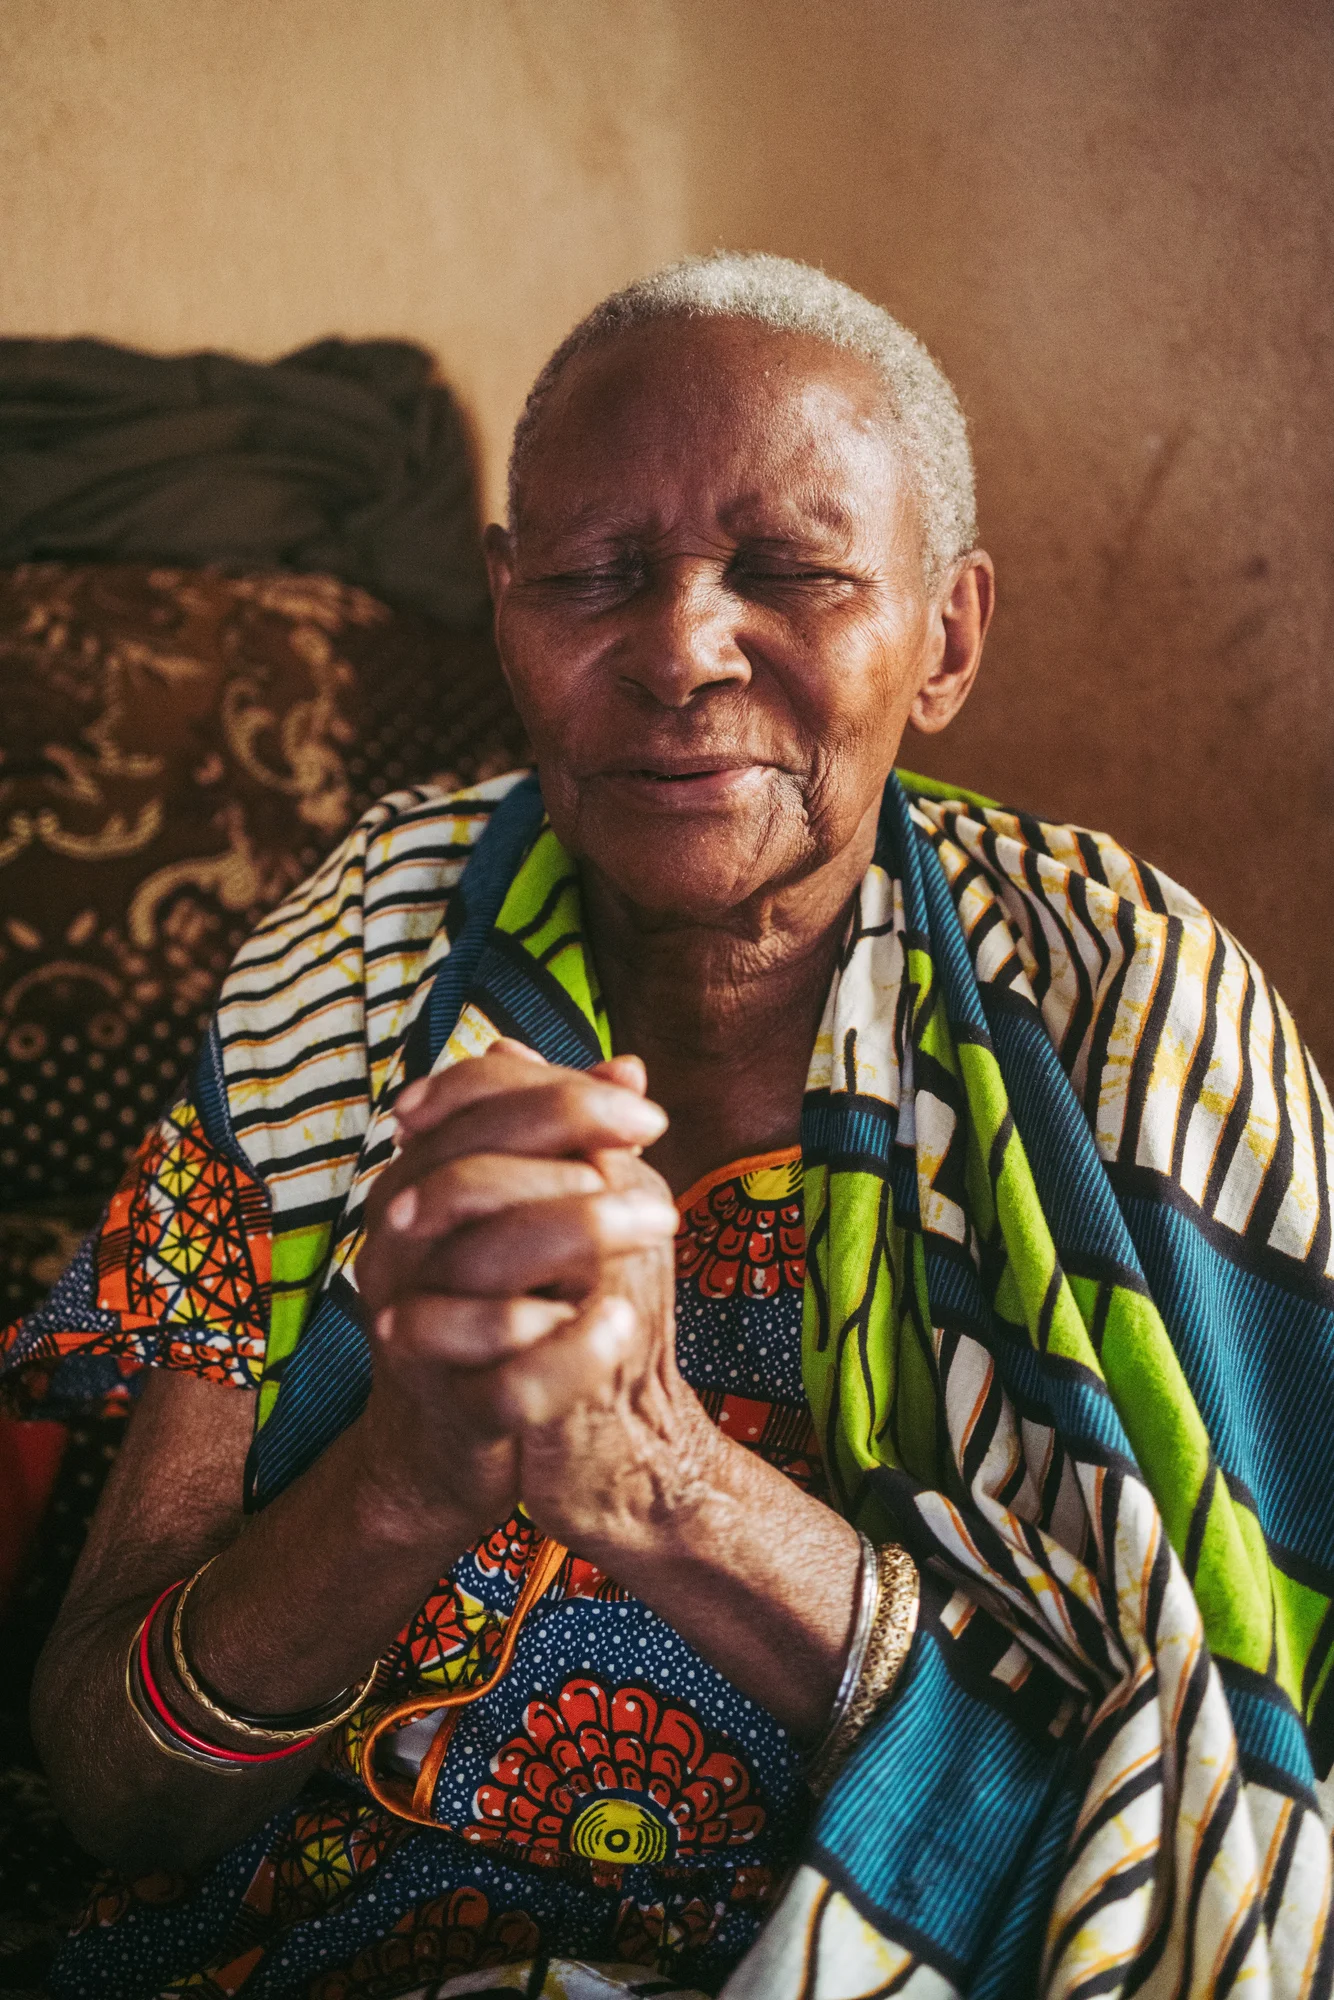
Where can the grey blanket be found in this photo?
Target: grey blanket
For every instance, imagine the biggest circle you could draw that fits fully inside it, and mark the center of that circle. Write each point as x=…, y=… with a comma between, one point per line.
x=345, y=457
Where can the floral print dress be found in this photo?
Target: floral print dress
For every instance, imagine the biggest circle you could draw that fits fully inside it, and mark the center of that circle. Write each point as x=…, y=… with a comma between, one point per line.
x=613, y=1798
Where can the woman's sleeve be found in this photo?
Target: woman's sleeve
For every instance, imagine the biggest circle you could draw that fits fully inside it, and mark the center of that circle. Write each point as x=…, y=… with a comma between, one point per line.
x=262, y=1145
x=176, y=1275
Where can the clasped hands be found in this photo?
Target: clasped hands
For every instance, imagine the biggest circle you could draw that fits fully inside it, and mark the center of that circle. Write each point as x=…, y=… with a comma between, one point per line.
x=518, y=1275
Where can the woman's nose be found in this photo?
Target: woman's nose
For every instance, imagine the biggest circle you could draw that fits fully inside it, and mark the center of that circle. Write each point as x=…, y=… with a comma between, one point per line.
x=684, y=635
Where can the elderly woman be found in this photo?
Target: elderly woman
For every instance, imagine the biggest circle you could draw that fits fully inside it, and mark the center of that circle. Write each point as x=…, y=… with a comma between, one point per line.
x=738, y=1347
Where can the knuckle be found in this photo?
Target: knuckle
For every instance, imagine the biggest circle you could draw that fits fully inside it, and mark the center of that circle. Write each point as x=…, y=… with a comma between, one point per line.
x=449, y=1191
x=413, y=1324
x=438, y=1093
x=570, y=1097
x=601, y=1224
x=515, y=1323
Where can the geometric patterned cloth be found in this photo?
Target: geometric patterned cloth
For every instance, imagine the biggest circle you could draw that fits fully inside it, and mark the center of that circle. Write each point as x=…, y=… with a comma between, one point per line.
x=1068, y=1333
x=177, y=1275
x=184, y=1249
x=599, y=1691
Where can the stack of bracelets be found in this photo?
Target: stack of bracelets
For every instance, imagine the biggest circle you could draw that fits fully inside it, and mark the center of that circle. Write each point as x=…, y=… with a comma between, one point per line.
x=883, y=1626
x=281, y=1735
x=882, y=1631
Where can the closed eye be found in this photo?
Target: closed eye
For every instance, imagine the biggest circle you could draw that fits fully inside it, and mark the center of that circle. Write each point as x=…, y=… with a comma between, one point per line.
x=597, y=581
x=796, y=575
x=781, y=575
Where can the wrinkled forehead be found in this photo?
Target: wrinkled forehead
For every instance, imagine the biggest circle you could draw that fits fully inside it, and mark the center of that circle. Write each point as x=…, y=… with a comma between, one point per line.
x=761, y=429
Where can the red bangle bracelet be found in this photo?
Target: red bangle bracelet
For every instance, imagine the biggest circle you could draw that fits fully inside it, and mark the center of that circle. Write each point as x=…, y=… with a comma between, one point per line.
x=178, y=1729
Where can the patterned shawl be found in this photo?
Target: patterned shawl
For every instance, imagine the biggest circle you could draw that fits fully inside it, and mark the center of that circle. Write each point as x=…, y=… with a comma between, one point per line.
x=1069, y=1335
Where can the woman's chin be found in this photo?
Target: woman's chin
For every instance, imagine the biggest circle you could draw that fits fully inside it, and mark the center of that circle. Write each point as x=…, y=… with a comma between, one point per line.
x=689, y=871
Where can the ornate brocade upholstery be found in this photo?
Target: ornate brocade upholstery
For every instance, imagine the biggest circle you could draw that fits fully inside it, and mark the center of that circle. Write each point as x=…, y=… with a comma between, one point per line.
x=177, y=749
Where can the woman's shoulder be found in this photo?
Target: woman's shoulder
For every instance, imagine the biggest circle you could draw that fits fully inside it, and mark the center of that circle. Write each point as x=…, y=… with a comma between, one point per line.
x=1184, y=1056
x=317, y=1000
x=1070, y=920
x=1040, y=858
x=382, y=892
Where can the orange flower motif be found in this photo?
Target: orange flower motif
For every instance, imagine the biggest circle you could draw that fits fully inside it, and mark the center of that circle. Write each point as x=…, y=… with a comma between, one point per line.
x=616, y=1777
x=742, y=1234
x=449, y=1934
x=508, y=1549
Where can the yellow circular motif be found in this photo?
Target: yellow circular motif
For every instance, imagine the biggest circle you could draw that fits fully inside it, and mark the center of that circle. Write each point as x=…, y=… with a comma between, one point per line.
x=773, y=1183
x=619, y=1831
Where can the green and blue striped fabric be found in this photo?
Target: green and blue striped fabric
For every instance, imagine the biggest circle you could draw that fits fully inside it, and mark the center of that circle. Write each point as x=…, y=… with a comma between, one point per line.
x=1069, y=1336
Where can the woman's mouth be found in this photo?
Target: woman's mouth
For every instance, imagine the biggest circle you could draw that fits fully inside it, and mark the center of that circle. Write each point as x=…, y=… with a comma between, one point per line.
x=687, y=790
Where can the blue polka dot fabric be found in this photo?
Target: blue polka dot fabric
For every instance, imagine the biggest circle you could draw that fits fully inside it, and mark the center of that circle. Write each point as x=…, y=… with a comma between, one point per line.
x=612, y=1798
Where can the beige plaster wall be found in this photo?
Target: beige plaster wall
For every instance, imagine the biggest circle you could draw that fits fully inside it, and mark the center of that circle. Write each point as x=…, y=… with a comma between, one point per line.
x=1111, y=222
x=251, y=174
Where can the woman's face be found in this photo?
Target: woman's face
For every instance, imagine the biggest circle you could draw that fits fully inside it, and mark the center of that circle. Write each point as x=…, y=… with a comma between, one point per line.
x=712, y=612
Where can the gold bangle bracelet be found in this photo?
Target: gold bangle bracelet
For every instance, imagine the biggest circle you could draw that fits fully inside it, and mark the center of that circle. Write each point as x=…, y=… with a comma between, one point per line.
x=892, y=1627
x=253, y=1731
x=157, y=1736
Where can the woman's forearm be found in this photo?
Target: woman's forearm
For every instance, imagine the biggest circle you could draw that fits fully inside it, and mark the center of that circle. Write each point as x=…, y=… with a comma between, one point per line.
x=757, y=1575
x=299, y=1604
x=303, y=1603
x=129, y=1802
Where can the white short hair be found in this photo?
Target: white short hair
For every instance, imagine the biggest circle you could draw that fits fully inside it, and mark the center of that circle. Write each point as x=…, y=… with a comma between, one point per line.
x=797, y=298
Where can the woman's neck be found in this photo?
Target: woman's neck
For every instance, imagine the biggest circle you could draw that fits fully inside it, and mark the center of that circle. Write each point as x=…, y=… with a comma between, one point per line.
x=724, y=1010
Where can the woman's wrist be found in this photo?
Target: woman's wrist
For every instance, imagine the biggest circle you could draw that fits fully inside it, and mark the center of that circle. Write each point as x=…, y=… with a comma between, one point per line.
x=756, y=1574
x=676, y=1492
x=391, y=1505
x=174, y=1709
x=266, y=1636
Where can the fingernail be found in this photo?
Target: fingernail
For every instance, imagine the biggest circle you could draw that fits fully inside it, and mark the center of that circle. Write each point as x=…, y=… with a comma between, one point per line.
x=384, y=1324
x=402, y=1210
x=641, y=1114
x=409, y=1099
x=643, y=1215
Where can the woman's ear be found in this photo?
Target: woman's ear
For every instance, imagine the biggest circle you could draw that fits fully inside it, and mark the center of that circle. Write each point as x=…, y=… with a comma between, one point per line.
x=499, y=560
x=497, y=548
x=954, y=647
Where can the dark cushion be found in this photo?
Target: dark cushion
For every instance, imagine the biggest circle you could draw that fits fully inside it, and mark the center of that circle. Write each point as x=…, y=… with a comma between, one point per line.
x=348, y=456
